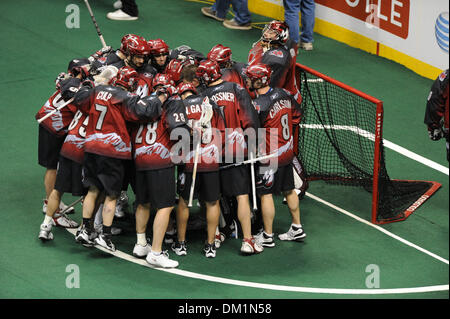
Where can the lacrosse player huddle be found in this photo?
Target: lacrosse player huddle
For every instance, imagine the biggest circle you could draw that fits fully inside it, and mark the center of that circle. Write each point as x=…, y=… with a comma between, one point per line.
x=176, y=126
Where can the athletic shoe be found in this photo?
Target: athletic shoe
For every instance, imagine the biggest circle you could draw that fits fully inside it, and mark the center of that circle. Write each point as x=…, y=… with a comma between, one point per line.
x=85, y=236
x=62, y=220
x=114, y=230
x=250, y=246
x=265, y=240
x=105, y=241
x=207, y=11
x=64, y=208
x=219, y=239
x=140, y=251
x=307, y=46
x=294, y=233
x=120, y=15
x=162, y=260
x=117, y=4
x=233, y=24
x=45, y=232
x=170, y=236
x=210, y=250
x=180, y=248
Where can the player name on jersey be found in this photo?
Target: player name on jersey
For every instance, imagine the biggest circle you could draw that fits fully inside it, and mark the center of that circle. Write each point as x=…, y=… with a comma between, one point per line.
x=104, y=96
x=193, y=109
x=278, y=106
x=223, y=96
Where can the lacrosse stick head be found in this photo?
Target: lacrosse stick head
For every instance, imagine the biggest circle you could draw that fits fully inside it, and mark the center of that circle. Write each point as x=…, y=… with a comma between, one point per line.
x=105, y=76
x=207, y=112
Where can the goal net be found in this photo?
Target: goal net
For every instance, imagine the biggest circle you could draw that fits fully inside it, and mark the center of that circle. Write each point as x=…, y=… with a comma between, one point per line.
x=340, y=141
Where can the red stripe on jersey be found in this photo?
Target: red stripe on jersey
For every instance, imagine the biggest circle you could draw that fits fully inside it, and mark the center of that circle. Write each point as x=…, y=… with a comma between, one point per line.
x=59, y=121
x=73, y=147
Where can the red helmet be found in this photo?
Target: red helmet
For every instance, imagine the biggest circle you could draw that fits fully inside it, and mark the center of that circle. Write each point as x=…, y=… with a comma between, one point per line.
x=173, y=69
x=220, y=54
x=126, y=77
x=259, y=71
x=280, y=28
x=184, y=87
x=209, y=71
x=159, y=47
x=162, y=79
x=138, y=47
x=126, y=40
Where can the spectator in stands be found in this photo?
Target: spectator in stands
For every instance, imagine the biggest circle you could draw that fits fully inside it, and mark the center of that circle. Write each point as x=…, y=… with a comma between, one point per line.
x=291, y=16
x=127, y=10
x=218, y=11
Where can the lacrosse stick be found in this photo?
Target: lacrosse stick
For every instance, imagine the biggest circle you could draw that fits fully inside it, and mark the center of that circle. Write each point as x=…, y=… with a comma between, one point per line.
x=95, y=24
x=54, y=111
x=252, y=172
x=249, y=161
x=205, y=118
x=71, y=205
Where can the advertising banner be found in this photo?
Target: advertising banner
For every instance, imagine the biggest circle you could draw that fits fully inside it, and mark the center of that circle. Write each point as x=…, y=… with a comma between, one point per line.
x=414, y=33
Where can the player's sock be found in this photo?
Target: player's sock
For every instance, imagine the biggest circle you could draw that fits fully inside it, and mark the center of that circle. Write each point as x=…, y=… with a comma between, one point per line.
x=106, y=230
x=141, y=240
x=47, y=220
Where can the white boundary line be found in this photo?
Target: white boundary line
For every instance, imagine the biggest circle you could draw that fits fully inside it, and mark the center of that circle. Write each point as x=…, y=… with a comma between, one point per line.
x=377, y=227
x=388, y=144
x=222, y=280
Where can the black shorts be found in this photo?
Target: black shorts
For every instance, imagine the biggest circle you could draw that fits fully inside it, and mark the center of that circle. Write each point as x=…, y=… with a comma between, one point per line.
x=49, y=148
x=207, y=186
x=269, y=183
x=130, y=175
x=69, y=177
x=105, y=173
x=235, y=180
x=156, y=187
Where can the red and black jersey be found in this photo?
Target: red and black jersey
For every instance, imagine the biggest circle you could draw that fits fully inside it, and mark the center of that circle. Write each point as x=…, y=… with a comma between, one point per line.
x=282, y=61
x=111, y=58
x=109, y=108
x=152, y=143
x=437, y=104
x=239, y=114
x=210, y=151
x=279, y=110
x=73, y=146
x=236, y=74
x=144, y=87
x=59, y=121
